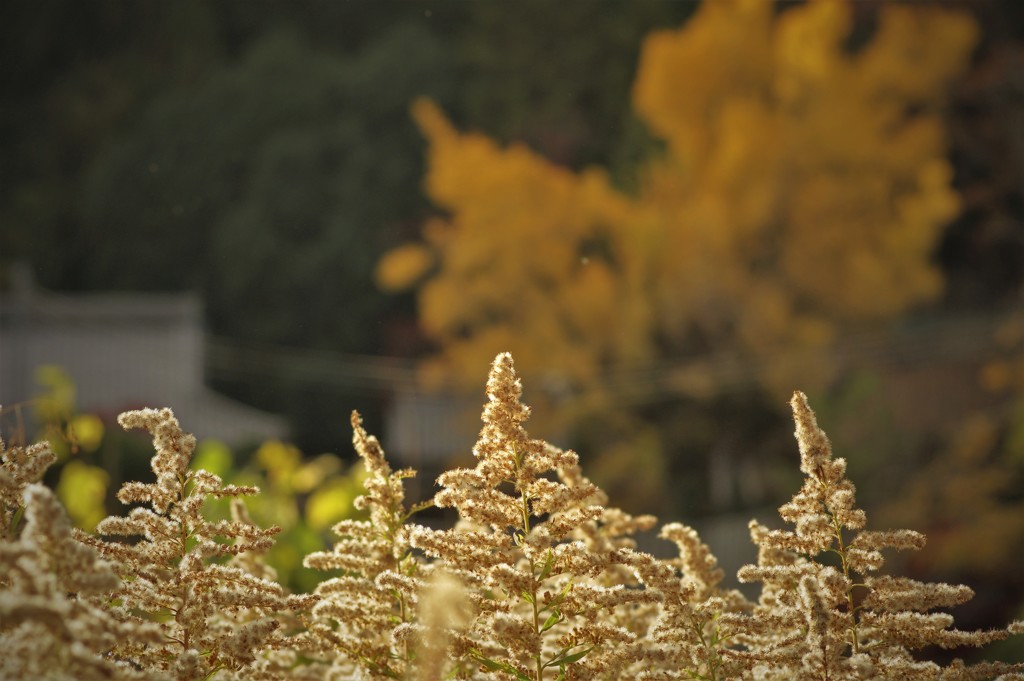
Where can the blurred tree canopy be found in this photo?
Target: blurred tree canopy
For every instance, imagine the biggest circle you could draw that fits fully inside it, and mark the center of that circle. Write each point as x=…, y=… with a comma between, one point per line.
x=263, y=154
x=271, y=185
x=802, y=192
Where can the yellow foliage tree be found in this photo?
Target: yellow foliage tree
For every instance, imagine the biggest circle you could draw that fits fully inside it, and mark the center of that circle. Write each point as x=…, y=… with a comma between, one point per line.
x=802, y=191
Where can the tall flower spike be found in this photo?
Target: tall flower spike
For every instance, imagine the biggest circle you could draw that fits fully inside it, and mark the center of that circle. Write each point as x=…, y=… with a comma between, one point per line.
x=19, y=467
x=816, y=620
x=352, y=624
x=54, y=622
x=212, y=616
x=544, y=602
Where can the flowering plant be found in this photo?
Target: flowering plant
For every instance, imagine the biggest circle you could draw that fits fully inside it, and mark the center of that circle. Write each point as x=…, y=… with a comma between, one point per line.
x=540, y=578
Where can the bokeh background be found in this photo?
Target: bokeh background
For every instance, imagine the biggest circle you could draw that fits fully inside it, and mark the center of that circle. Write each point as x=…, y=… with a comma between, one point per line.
x=265, y=215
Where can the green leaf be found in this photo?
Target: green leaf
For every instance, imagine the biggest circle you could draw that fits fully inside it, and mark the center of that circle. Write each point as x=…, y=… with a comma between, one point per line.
x=86, y=431
x=83, y=490
x=526, y=596
x=489, y=663
x=554, y=618
x=563, y=659
x=557, y=600
x=546, y=570
x=333, y=501
x=15, y=521
x=213, y=456
x=495, y=666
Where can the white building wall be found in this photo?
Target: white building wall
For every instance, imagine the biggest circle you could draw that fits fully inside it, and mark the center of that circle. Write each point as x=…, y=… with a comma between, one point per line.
x=123, y=351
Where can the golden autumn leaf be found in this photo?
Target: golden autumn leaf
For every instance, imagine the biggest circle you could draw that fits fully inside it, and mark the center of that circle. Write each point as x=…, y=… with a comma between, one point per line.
x=801, y=195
